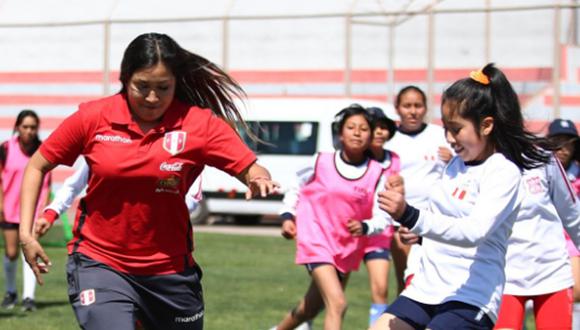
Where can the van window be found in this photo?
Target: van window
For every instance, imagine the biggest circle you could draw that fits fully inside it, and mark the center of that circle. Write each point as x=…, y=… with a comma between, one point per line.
x=284, y=138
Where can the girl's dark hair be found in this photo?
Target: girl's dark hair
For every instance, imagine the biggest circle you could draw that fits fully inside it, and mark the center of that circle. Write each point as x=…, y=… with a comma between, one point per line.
x=20, y=118
x=341, y=117
x=199, y=82
x=352, y=110
x=474, y=101
x=410, y=88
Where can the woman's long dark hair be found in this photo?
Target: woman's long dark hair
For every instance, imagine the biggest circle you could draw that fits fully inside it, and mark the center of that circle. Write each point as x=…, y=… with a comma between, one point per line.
x=199, y=82
x=20, y=118
x=474, y=101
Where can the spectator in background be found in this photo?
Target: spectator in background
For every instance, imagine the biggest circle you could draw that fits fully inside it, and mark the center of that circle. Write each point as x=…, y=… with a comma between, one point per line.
x=564, y=135
x=131, y=255
x=14, y=155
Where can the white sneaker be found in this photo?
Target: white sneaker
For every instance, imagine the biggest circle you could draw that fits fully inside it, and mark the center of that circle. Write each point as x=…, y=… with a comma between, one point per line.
x=304, y=326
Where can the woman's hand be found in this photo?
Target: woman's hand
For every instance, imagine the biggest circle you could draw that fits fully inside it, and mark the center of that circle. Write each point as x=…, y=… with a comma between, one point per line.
x=444, y=154
x=32, y=253
x=392, y=202
x=258, y=180
x=395, y=182
x=407, y=237
x=355, y=228
x=262, y=186
x=41, y=226
x=289, y=229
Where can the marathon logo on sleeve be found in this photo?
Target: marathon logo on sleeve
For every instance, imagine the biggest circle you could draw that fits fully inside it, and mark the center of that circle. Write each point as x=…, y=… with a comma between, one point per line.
x=112, y=138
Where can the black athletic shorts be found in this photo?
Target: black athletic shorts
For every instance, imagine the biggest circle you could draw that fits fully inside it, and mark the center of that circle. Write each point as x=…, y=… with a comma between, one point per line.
x=9, y=225
x=105, y=299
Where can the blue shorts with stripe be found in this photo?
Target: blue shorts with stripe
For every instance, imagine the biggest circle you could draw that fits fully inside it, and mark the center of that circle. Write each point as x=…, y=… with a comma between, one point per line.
x=448, y=315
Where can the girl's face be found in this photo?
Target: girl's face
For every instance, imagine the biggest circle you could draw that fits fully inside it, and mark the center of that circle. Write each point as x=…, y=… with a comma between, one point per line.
x=412, y=110
x=380, y=136
x=27, y=130
x=566, y=148
x=356, y=134
x=150, y=91
x=469, y=142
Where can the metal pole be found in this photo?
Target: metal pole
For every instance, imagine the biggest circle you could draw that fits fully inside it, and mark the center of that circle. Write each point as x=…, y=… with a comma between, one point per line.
x=430, y=57
x=557, y=64
x=225, y=44
x=348, y=57
x=487, y=32
x=391, y=69
x=106, y=58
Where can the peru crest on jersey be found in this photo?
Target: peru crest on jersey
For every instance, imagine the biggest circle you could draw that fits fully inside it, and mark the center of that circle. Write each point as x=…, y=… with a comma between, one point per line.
x=174, y=142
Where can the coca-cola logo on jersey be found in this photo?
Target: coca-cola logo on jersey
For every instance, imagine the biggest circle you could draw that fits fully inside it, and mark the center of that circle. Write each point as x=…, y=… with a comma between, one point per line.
x=171, y=167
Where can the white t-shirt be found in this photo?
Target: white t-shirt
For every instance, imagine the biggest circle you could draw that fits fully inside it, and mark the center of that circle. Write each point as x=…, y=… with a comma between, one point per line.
x=465, y=231
x=537, y=261
x=420, y=164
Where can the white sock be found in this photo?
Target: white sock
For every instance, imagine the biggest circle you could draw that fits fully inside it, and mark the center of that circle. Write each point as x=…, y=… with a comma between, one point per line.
x=10, y=271
x=29, y=280
x=576, y=316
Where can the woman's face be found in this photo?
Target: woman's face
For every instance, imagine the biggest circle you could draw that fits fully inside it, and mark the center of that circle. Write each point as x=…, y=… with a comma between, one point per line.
x=411, y=109
x=27, y=130
x=469, y=142
x=566, y=148
x=356, y=134
x=380, y=136
x=150, y=91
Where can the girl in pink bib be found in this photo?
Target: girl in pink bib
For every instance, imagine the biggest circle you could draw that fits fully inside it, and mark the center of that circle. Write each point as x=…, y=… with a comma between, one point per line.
x=333, y=208
x=14, y=155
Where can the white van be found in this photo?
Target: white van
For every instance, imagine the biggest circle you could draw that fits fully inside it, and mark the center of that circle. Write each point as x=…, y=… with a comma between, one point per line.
x=296, y=128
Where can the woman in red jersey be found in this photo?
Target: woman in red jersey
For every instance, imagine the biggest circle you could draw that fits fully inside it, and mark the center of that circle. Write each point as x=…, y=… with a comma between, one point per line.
x=130, y=257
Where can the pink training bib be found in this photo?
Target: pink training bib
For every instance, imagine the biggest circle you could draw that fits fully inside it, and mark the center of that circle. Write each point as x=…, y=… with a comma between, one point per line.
x=12, y=175
x=324, y=207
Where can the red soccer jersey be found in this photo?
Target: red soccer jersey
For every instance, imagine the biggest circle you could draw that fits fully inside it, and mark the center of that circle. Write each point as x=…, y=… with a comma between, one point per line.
x=134, y=217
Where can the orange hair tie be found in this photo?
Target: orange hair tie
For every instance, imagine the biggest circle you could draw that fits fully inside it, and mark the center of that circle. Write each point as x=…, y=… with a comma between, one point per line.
x=480, y=77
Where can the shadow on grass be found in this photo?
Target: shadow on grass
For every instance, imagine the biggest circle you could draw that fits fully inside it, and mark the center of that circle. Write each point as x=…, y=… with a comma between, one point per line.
x=51, y=303
x=4, y=314
x=40, y=305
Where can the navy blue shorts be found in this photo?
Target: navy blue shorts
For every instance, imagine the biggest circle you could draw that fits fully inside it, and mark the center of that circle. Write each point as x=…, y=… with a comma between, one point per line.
x=9, y=225
x=311, y=266
x=105, y=299
x=378, y=254
x=449, y=315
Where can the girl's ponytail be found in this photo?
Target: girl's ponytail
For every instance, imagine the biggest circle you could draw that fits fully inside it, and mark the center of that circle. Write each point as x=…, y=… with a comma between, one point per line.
x=489, y=93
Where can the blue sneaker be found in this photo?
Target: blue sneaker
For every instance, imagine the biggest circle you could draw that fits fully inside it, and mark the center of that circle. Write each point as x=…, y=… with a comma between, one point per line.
x=28, y=305
x=10, y=300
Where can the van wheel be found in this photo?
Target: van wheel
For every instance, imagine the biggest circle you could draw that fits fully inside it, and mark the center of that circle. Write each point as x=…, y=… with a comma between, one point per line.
x=245, y=220
x=200, y=214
